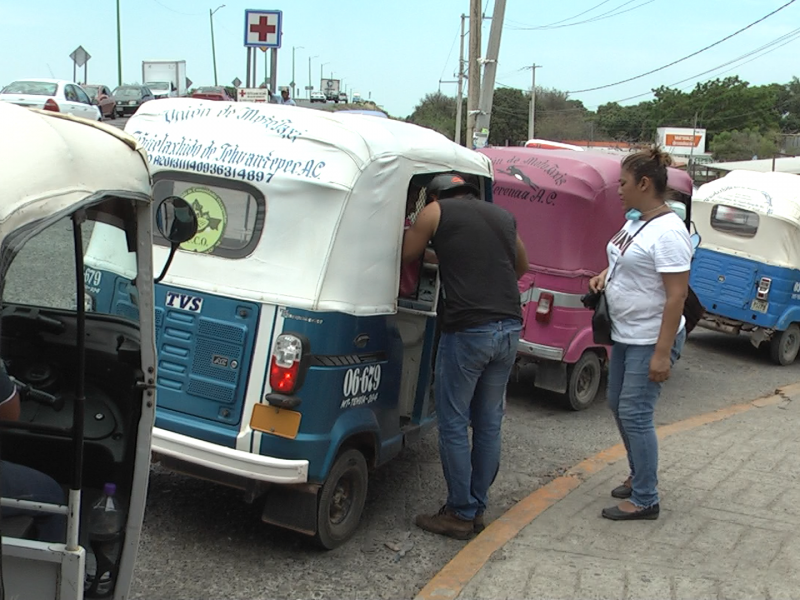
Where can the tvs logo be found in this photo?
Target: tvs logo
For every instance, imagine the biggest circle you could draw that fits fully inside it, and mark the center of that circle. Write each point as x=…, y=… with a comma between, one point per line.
x=184, y=302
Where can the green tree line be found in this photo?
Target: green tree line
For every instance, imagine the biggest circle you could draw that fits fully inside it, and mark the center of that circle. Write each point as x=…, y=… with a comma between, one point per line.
x=741, y=120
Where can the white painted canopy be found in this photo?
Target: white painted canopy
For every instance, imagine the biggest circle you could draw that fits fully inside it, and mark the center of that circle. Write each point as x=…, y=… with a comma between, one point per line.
x=52, y=162
x=335, y=188
x=773, y=196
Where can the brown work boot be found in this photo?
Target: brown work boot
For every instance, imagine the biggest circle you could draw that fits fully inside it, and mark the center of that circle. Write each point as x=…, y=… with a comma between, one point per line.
x=479, y=524
x=445, y=522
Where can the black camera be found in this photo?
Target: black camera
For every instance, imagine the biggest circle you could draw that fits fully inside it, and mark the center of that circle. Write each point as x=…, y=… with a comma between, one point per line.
x=591, y=299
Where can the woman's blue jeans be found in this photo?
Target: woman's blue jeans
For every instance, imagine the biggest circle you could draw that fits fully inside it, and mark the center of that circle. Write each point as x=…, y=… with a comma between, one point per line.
x=472, y=370
x=632, y=398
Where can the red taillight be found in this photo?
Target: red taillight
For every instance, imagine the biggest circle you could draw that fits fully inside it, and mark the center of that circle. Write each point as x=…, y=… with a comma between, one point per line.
x=284, y=369
x=544, y=307
x=763, y=288
x=283, y=379
x=51, y=105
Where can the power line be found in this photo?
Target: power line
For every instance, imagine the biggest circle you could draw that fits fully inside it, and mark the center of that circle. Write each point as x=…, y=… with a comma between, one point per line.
x=177, y=12
x=675, y=62
x=449, y=54
x=567, y=19
x=614, y=12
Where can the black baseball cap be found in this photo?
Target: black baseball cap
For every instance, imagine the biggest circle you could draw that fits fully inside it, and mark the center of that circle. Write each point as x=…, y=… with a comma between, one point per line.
x=447, y=182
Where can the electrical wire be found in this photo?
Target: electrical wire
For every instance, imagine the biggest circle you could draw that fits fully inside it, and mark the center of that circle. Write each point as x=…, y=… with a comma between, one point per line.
x=177, y=12
x=449, y=54
x=567, y=19
x=675, y=62
x=614, y=12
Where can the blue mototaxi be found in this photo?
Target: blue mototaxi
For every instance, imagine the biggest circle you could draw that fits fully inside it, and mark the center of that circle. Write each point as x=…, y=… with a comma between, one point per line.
x=288, y=366
x=746, y=271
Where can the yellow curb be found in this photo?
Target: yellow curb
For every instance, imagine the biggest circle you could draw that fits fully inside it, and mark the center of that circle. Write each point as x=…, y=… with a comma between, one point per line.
x=451, y=580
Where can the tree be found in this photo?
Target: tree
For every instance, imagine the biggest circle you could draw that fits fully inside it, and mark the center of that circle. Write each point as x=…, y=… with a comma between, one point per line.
x=438, y=112
x=743, y=145
x=789, y=106
x=509, y=123
x=624, y=123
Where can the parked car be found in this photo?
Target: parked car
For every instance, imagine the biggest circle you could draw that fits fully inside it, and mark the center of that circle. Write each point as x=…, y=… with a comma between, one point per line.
x=105, y=101
x=212, y=93
x=342, y=97
x=52, y=94
x=162, y=89
x=318, y=97
x=130, y=97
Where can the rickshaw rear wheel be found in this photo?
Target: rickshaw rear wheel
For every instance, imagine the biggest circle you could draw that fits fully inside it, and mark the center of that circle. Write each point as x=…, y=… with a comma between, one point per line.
x=784, y=345
x=584, y=381
x=342, y=499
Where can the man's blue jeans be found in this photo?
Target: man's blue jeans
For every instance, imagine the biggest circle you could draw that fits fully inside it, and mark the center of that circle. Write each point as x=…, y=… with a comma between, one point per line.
x=472, y=370
x=23, y=483
x=632, y=398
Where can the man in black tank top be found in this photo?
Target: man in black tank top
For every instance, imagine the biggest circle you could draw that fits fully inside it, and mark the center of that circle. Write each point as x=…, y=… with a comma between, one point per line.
x=480, y=259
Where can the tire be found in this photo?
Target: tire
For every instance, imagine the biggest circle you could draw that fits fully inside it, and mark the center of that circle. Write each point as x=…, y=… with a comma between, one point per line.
x=341, y=500
x=584, y=381
x=784, y=345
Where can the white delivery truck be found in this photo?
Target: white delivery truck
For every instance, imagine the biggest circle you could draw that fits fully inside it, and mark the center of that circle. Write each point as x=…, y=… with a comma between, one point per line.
x=165, y=78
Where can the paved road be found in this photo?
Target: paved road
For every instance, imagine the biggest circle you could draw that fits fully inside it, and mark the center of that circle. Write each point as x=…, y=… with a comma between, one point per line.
x=200, y=540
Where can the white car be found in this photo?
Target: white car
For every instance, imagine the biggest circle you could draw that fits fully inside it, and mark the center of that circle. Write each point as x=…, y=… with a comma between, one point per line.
x=318, y=97
x=57, y=95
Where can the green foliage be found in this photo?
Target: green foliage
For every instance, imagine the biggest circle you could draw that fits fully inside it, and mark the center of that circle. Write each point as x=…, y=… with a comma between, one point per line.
x=743, y=145
x=719, y=106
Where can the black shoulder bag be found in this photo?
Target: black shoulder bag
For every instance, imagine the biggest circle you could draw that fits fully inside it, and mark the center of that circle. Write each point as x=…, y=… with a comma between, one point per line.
x=601, y=319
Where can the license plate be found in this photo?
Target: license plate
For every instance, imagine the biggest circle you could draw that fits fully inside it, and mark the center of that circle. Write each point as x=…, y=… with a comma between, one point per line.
x=275, y=421
x=759, y=306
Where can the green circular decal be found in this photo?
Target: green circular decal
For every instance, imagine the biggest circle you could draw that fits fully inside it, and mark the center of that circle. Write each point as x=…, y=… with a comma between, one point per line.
x=211, y=219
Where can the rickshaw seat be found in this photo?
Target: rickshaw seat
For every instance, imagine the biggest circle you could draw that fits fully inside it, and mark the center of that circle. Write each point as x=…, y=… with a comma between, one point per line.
x=20, y=526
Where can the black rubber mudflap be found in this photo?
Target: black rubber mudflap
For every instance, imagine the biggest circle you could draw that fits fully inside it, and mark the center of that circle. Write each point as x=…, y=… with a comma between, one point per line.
x=292, y=507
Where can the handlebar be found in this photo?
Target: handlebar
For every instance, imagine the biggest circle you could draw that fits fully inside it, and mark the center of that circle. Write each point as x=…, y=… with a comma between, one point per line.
x=38, y=396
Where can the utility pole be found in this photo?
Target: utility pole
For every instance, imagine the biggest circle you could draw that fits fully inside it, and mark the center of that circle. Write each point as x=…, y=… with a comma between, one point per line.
x=293, y=82
x=213, y=46
x=460, y=98
x=532, y=115
x=309, y=76
x=474, y=77
x=483, y=120
x=119, y=49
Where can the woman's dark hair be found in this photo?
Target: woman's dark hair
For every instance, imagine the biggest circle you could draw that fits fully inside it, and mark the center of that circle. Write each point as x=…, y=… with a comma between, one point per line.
x=651, y=163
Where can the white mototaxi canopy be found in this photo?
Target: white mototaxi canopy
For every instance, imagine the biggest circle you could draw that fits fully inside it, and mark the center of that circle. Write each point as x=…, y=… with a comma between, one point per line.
x=775, y=199
x=334, y=187
x=53, y=162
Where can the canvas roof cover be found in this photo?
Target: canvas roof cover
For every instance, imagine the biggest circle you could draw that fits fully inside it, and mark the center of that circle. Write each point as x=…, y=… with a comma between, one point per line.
x=335, y=189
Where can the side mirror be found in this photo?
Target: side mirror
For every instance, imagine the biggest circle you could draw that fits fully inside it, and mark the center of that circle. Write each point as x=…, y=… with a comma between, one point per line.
x=177, y=222
x=695, y=237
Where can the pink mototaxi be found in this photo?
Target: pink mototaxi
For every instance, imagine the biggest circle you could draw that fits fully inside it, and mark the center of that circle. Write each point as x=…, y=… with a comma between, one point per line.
x=567, y=208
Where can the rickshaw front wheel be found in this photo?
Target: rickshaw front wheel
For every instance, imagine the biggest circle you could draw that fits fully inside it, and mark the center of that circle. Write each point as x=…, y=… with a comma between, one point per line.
x=342, y=499
x=784, y=346
x=584, y=381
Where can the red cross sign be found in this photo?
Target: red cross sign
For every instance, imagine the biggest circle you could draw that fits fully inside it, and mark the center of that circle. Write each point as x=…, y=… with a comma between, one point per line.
x=263, y=28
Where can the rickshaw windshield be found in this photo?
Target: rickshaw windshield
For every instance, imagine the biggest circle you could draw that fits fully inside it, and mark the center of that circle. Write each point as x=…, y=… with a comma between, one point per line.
x=42, y=273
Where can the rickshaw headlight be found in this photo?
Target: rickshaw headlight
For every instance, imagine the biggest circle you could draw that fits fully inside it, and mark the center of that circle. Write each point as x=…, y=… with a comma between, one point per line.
x=284, y=372
x=763, y=288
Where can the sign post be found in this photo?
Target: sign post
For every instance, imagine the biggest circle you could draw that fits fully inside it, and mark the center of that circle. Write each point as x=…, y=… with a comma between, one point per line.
x=80, y=58
x=263, y=29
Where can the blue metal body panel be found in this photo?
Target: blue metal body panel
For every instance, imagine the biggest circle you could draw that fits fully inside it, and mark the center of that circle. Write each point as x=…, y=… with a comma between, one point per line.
x=727, y=284
x=205, y=346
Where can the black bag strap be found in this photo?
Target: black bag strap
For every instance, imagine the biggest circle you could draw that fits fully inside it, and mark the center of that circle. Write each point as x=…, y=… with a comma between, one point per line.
x=630, y=243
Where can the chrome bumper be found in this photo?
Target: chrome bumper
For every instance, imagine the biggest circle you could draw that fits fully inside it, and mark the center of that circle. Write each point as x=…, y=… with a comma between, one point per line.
x=228, y=460
x=540, y=351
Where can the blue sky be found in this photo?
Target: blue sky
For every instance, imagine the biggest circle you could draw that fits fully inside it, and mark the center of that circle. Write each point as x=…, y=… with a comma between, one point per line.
x=399, y=51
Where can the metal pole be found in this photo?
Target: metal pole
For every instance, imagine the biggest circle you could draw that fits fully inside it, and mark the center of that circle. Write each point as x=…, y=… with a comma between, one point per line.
x=273, y=69
x=266, y=69
x=74, y=71
x=213, y=48
x=483, y=119
x=460, y=100
x=119, y=48
x=85, y=73
x=309, y=78
x=474, y=77
x=532, y=116
x=255, y=67
x=249, y=67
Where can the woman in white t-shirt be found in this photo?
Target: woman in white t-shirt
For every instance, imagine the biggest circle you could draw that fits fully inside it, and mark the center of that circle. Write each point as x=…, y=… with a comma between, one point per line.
x=646, y=284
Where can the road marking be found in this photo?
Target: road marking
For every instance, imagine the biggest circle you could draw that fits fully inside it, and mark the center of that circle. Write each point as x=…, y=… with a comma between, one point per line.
x=451, y=580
